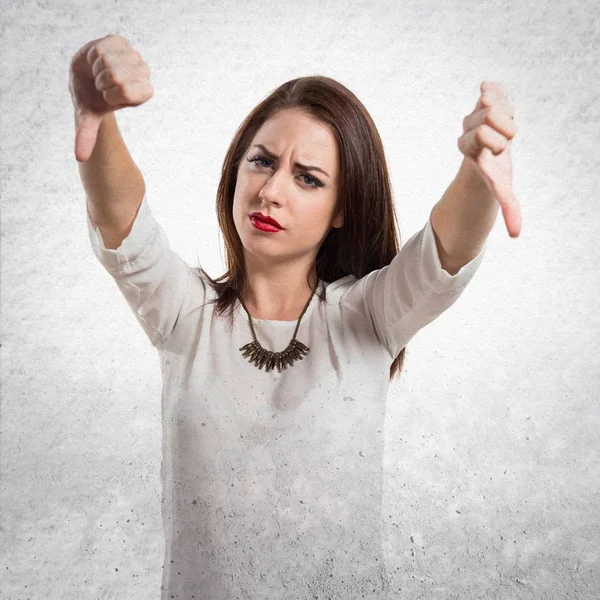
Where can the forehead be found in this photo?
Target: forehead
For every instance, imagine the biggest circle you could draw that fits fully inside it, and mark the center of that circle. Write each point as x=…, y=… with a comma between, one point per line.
x=293, y=130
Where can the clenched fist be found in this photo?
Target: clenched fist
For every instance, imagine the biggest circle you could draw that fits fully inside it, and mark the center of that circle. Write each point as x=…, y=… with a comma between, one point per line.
x=106, y=75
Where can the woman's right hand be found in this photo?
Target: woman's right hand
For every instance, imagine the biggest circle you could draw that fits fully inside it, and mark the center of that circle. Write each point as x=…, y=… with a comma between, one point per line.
x=106, y=75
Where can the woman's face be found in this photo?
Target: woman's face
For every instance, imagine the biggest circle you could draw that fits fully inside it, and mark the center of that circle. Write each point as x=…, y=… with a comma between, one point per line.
x=301, y=200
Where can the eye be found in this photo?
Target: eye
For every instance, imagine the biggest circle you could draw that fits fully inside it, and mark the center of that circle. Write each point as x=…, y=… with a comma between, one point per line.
x=259, y=158
x=313, y=181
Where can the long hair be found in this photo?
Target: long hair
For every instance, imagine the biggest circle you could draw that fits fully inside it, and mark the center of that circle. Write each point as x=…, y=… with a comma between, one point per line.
x=369, y=238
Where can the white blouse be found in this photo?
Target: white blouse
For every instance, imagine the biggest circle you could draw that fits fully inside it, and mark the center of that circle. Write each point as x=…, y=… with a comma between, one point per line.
x=272, y=482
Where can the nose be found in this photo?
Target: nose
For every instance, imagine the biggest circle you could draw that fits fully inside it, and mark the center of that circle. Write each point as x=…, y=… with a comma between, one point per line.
x=273, y=190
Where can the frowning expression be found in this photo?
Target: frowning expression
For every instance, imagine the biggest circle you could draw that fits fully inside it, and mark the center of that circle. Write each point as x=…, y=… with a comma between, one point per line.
x=289, y=173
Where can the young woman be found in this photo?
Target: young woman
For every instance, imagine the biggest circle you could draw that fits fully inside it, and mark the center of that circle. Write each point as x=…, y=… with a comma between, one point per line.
x=276, y=374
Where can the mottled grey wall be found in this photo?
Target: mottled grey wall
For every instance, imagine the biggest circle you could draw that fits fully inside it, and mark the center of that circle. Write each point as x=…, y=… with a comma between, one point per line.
x=492, y=471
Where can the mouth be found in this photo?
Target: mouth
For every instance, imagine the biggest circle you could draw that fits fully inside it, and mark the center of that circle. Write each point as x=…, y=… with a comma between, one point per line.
x=264, y=220
x=263, y=226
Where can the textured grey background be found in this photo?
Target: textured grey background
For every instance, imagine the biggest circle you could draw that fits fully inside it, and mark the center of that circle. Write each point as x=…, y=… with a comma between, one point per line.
x=492, y=435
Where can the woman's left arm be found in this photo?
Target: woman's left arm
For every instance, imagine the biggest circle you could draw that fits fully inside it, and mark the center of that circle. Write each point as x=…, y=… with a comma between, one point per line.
x=463, y=218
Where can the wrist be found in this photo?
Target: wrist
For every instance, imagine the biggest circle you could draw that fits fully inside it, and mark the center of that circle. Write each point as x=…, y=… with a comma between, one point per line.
x=471, y=178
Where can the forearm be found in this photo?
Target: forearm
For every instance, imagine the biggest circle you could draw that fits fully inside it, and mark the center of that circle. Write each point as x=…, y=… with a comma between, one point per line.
x=463, y=219
x=113, y=183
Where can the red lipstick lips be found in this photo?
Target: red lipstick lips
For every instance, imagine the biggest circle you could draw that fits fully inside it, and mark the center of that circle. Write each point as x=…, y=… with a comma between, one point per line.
x=257, y=216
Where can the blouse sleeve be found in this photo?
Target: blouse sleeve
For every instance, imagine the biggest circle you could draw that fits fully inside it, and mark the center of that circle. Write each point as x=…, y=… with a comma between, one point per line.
x=413, y=290
x=153, y=278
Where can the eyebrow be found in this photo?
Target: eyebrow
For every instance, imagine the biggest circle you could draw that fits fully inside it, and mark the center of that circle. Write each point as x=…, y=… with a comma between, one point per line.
x=305, y=167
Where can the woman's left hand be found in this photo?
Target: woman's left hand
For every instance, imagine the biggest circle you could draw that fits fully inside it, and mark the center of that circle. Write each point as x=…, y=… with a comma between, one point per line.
x=485, y=143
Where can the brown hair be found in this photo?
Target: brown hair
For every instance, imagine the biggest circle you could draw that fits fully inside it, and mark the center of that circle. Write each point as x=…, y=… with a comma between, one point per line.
x=367, y=239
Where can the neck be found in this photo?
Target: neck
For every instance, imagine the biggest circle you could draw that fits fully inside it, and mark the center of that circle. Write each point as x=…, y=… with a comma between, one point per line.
x=278, y=299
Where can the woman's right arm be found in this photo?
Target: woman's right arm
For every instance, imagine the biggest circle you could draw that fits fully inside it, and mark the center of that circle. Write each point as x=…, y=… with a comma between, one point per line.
x=133, y=247
x=106, y=75
x=113, y=184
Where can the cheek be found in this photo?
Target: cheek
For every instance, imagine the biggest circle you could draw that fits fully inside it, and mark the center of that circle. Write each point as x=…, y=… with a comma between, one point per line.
x=315, y=221
x=243, y=190
x=239, y=194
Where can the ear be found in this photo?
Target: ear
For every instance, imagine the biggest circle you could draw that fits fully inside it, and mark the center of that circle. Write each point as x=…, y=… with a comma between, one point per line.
x=338, y=221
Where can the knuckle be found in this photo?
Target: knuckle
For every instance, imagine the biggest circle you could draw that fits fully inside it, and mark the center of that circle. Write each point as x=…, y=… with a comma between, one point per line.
x=490, y=115
x=116, y=78
x=104, y=52
x=121, y=39
x=128, y=95
x=107, y=41
x=486, y=100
